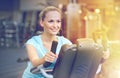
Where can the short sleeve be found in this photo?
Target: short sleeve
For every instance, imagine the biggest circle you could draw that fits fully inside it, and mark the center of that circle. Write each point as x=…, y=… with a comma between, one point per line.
x=65, y=40
x=33, y=41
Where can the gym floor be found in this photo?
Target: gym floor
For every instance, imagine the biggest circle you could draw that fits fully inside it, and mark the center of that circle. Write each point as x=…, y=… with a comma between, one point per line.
x=9, y=67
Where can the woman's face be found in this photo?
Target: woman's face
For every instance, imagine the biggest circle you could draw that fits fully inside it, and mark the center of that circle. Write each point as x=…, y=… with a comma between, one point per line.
x=52, y=22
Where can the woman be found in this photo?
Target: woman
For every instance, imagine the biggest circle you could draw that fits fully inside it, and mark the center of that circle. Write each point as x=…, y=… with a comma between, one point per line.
x=39, y=47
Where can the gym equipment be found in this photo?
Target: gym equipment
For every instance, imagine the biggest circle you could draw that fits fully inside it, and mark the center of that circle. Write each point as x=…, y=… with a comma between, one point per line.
x=79, y=60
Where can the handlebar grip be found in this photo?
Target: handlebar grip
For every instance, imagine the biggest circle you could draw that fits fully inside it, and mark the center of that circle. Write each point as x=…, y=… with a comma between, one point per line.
x=53, y=49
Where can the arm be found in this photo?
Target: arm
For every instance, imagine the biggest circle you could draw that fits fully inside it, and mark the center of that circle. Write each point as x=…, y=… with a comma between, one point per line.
x=106, y=55
x=35, y=59
x=32, y=55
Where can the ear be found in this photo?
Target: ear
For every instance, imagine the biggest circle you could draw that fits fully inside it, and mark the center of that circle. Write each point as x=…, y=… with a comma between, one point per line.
x=40, y=23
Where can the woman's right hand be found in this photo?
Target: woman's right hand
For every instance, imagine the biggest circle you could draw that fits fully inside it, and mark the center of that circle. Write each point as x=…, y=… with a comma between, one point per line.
x=50, y=57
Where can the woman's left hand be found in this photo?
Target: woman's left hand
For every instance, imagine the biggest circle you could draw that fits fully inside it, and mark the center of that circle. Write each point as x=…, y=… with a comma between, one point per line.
x=106, y=54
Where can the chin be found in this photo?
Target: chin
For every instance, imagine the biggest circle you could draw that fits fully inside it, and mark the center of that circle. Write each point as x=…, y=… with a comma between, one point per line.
x=54, y=33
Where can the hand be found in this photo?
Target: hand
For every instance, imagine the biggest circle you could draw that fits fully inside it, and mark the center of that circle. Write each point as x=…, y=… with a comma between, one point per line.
x=106, y=54
x=50, y=57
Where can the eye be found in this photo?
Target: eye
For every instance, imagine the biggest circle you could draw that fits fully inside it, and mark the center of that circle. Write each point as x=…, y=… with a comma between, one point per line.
x=50, y=21
x=58, y=21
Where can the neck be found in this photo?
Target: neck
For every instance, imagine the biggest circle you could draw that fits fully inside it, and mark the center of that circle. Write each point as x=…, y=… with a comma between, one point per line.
x=48, y=38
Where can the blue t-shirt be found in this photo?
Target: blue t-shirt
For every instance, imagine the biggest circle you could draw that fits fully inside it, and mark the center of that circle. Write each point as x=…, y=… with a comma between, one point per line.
x=41, y=51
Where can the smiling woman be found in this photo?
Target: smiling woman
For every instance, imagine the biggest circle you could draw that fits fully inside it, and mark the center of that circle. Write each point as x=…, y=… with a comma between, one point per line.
x=52, y=23
x=39, y=47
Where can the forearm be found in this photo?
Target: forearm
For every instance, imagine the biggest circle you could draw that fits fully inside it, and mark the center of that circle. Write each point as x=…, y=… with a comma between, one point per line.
x=33, y=56
x=38, y=61
x=106, y=55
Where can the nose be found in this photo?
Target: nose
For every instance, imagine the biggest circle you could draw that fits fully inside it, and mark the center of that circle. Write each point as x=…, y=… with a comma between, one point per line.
x=55, y=24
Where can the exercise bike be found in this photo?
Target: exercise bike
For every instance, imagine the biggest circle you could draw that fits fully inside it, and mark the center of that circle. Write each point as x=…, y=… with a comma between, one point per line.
x=79, y=60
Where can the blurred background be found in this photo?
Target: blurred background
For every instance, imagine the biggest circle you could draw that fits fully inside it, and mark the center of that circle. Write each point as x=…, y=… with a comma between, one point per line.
x=97, y=19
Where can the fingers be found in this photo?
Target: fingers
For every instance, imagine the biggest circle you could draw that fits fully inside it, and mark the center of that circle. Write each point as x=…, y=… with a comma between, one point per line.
x=106, y=54
x=50, y=57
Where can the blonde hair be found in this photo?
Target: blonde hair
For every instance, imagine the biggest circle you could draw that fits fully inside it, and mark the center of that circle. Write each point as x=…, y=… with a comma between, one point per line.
x=46, y=10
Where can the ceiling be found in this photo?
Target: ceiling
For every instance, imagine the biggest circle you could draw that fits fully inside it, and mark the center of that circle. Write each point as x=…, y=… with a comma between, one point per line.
x=39, y=4
x=90, y=3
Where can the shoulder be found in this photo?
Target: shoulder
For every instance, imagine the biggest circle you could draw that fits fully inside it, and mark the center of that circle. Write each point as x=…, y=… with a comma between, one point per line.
x=64, y=40
x=33, y=40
